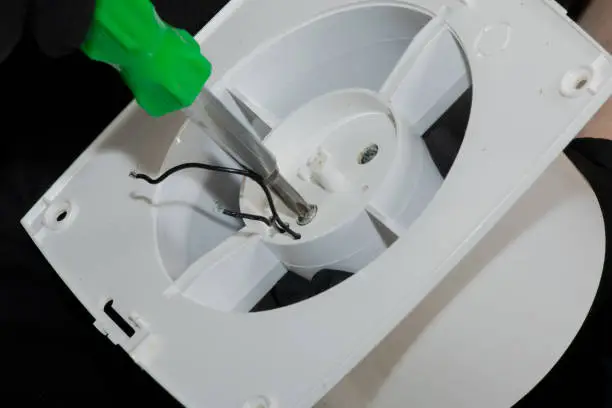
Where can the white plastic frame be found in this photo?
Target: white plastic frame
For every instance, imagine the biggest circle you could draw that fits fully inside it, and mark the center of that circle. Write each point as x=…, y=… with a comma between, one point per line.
x=520, y=53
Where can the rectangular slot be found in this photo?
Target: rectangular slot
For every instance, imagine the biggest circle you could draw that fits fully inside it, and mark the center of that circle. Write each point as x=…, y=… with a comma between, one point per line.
x=118, y=320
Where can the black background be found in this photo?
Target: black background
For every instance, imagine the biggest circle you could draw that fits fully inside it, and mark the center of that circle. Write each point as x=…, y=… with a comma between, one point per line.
x=49, y=350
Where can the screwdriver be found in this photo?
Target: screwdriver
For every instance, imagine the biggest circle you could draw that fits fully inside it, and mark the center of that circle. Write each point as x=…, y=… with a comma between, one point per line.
x=166, y=72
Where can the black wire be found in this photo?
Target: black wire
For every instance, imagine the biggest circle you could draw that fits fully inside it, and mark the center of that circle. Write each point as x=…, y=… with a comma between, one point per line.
x=247, y=216
x=280, y=225
x=275, y=219
x=184, y=166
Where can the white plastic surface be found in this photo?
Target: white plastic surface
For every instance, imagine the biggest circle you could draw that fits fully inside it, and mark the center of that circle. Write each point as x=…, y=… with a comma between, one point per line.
x=159, y=263
x=504, y=315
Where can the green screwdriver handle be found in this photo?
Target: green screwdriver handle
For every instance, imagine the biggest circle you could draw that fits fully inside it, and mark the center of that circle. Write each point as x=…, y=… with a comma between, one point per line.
x=162, y=65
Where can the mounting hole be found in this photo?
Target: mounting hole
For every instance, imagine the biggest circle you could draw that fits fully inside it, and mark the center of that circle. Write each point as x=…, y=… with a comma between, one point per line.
x=58, y=215
x=368, y=154
x=581, y=82
x=61, y=216
x=575, y=82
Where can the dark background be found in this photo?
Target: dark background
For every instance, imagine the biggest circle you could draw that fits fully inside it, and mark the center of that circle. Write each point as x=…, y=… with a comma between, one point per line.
x=49, y=350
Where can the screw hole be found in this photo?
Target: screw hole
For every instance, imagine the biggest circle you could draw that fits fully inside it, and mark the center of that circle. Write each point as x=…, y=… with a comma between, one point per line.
x=61, y=216
x=576, y=81
x=368, y=154
x=580, y=83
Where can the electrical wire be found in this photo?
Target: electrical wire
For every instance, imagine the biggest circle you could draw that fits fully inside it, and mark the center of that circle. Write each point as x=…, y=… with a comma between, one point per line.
x=185, y=166
x=247, y=216
x=274, y=220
